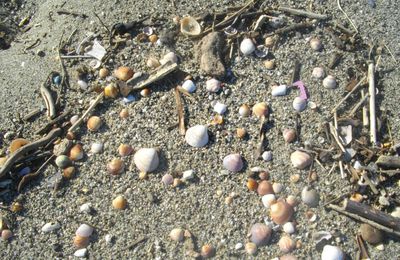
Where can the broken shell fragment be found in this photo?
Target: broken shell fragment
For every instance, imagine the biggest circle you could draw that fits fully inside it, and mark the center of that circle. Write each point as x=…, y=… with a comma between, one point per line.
x=213, y=85
x=190, y=27
x=280, y=90
x=247, y=46
x=220, y=108
x=299, y=104
x=17, y=143
x=197, y=136
x=251, y=248
x=123, y=73
x=260, y=234
x=300, y=160
x=233, y=162
x=329, y=82
x=146, y=159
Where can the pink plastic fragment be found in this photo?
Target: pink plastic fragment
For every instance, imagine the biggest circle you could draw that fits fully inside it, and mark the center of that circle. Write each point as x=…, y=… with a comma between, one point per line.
x=303, y=91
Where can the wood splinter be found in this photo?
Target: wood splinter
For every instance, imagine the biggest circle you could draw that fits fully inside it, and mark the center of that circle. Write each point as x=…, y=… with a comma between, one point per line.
x=179, y=107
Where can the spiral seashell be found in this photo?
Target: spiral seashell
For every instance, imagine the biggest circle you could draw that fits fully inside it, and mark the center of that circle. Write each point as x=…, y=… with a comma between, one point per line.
x=300, y=160
x=332, y=253
x=310, y=197
x=233, y=162
x=260, y=234
x=299, y=104
x=247, y=46
x=329, y=82
x=197, y=136
x=213, y=85
x=190, y=27
x=318, y=73
x=189, y=86
x=146, y=159
x=84, y=230
x=281, y=212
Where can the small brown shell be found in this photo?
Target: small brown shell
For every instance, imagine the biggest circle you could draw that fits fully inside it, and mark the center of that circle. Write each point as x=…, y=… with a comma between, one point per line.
x=153, y=38
x=94, y=123
x=69, y=172
x=111, y=91
x=123, y=73
x=207, y=251
x=281, y=212
x=252, y=184
x=115, y=166
x=124, y=113
x=119, y=202
x=241, y=133
x=265, y=187
x=81, y=242
x=17, y=143
x=103, y=73
x=125, y=149
x=76, y=153
x=260, y=109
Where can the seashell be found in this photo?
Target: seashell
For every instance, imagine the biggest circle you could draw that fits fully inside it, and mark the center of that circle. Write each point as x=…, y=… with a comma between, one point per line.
x=318, y=73
x=371, y=234
x=197, y=136
x=115, y=166
x=153, y=38
x=356, y=197
x=213, y=85
x=295, y=178
x=244, y=110
x=277, y=187
x=267, y=156
x=124, y=113
x=103, y=73
x=81, y=252
x=82, y=84
x=81, y=242
x=252, y=184
x=300, y=160
x=220, y=108
x=289, y=228
x=190, y=27
x=145, y=92
x=315, y=44
x=207, y=251
x=17, y=143
x=96, y=148
x=261, y=51
x=94, y=123
x=84, y=230
x=233, y=162
x=142, y=175
x=62, y=161
x=269, y=42
x=125, y=149
x=281, y=212
x=189, y=86
x=50, y=227
x=230, y=30
x=119, y=202
x=260, y=234
x=76, y=153
x=169, y=57
x=69, y=172
x=73, y=119
x=263, y=175
x=269, y=64
x=268, y=200
x=280, y=90
x=247, y=46
x=286, y=244
x=260, y=109
x=329, y=82
x=250, y=248
x=111, y=91
x=85, y=208
x=95, y=64
x=6, y=234
x=176, y=234
x=332, y=253
x=288, y=257
x=310, y=197
x=265, y=187
x=311, y=216
x=153, y=63
x=167, y=179
x=299, y=104
x=241, y=133
x=70, y=136
x=148, y=30
x=313, y=105
x=123, y=73
x=146, y=159
x=289, y=135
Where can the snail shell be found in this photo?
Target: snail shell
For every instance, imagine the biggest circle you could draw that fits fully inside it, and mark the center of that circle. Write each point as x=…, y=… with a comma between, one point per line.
x=329, y=82
x=189, y=86
x=300, y=160
x=190, y=27
x=247, y=46
x=197, y=136
x=146, y=159
x=213, y=85
x=299, y=104
x=260, y=234
x=233, y=162
x=332, y=253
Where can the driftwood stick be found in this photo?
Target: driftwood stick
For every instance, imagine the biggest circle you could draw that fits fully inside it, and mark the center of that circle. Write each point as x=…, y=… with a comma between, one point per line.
x=186, y=93
x=372, y=107
x=291, y=28
x=358, y=105
x=52, y=122
x=260, y=145
x=348, y=94
x=33, y=113
x=21, y=152
x=179, y=107
x=369, y=182
x=335, y=135
x=31, y=176
x=388, y=162
x=365, y=110
x=92, y=106
x=303, y=13
x=161, y=73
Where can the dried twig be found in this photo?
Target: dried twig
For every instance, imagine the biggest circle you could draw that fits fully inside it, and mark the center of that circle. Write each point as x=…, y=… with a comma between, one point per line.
x=360, y=83
x=31, y=176
x=372, y=111
x=49, y=101
x=335, y=135
x=161, y=73
x=365, y=110
x=33, y=113
x=303, y=13
x=292, y=28
x=136, y=242
x=52, y=122
x=358, y=105
x=179, y=107
x=348, y=18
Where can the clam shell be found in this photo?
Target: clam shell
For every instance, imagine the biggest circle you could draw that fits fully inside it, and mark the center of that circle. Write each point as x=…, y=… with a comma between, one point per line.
x=94, y=123
x=169, y=57
x=260, y=109
x=197, y=136
x=264, y=188
x=260, y=234
x=51, y=226
x=289, y=135
x=76, y=153
x=220, y=108
x=207, y=251
x=329, y=82
x=84, y=230
x=119, y=203
x=115, y=166
x=318, y=73
x=96, y=148
x=281, y=212
x=300, y=160
x=233, y=162
x=299, y=104
x=167, y=179
x=286, y=244
x=189, y=86
x=269, y=41
x=63, y=161
x=251, y=248
x=213, y=85
x=310, y=197
x=146, y=159
x=81, y=242
x=103, y=73
x=267, y=156
x=332, y=253
x=6, y=234
x=315, y=44
x=153, y=63
x=268, y=200
x=289, y=228
x=81, y=252
x=190, y=27
x=247, y=46
x=123, y=73
x=176, y=234
x=280, y=90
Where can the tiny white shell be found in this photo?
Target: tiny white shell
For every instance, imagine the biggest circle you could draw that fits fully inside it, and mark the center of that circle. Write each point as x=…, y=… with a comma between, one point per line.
x=329, y=82
x=268, y=200
x=73, y=119
x=220, y=108
x=96, y=148
x=213, y=85
x=176, y=234
x=197, y=136
x=299, y=104
x=81, y=252
x=280, y=90
x=51, y=226
x=267, y=156
x=277, y=187
x=332, y=253
x=108, y=238
x=289, y=228
x=82, y=84
x=300, y=160
x=318, y=73
x=310, y=197
x=247, y=46
x=84, y=230
x=169, y=57
x=146, y=159
x=189, y=86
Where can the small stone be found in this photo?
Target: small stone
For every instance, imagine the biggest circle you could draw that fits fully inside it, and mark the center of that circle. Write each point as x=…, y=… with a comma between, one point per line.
x=85, y=208
x=238, y=246
x=187, y=175
x=81, y=252
x=51, y=226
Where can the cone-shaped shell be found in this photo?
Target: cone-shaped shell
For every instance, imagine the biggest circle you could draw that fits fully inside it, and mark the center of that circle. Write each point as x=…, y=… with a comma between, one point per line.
x=197, y=136
x=233, y=162
x=146, y=159
x=190, y=27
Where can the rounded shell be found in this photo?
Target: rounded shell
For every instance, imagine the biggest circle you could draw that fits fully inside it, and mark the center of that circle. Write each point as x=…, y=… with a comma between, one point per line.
x=115, y=166
x=329, y=82
x=260, y=234
x=315, y=44
x=63, y=161
x=176, y=234
x=146, y=159
x=281, y=212
x=6, y=234
x=213, y=85
x=310, y=197
x=268, y=200
x=119, y=202
x=286, y=244
x=84, y=230
x=300, y=160
x=207, y=251
x=167, y=179
x=190, y=27
x=260, y=109
x=244, y=110
x=332, y=253
x=251, y=248
x=123, y=73
x=189, y=86
x=318, y=73
x=299, y=104
x=233, y=162
x=197, y=136
x=96, y=148
x=103, y=73
x=247, y=46
x=76, y=153
x=265, y=187
x=94, y=123
x=289, y=135
x=81, y=242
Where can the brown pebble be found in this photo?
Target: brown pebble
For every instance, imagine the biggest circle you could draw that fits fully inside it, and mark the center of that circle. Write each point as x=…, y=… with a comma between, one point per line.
x=252, y=184
x=371, y=234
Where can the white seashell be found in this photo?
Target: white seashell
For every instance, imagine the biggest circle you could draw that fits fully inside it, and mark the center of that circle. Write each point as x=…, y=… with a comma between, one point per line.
x=318, y=73
x=238, y=246
x=84, y=230
x=96, y=148
x=277, y=187
x=189, y=86
x=51, y=226
x=146, y=159
x=300, y=160
x=81, y=252
x=82, y=84
x=169, y=57
x=289, y=228
x=95, y=64
x=73, y=119
x=268, y=200
x=310, y=197
x=148, y=30
x=299, y=104
x=176, y=234
x=315, y=44
x=190, y=27
x=332, y=253
x=197, y=136
x=247, y=46
x=244, y=110
x=280, y=90
x=188, y=175
x=396, y=212
x=220, y=108
x=85, y=208
x=329, y=82
x=233, y=162
x=213, y=85
x=267, y=156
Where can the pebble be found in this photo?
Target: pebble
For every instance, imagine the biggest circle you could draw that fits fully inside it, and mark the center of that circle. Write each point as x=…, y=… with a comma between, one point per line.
x=85, y=208
x=220, y=108
x=267, y=156
x=238, y=246
x=188, y=175
x=189, y=86
x=289, y=228
x=81, y=252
